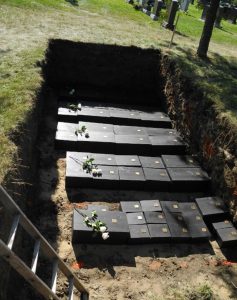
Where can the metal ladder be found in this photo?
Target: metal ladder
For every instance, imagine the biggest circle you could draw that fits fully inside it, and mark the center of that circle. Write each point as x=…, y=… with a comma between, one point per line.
x=6, y=252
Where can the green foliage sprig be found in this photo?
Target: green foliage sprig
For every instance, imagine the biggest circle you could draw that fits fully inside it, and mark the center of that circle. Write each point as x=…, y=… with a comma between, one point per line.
x=74, y=107
x=91, y=168
x=96, y=225
x=81, y=131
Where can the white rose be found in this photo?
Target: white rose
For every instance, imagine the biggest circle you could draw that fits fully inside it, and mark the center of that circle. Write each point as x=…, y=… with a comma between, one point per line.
x=99, y=172
x=105, y=235
x=94, y=172
x=103, y=229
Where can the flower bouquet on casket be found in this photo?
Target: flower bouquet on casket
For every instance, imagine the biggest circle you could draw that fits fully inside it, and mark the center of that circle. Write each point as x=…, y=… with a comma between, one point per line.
x=97, y=226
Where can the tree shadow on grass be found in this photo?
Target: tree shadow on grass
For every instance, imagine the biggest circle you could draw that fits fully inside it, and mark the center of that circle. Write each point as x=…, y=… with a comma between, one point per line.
x=73, y=2
x=216, y=75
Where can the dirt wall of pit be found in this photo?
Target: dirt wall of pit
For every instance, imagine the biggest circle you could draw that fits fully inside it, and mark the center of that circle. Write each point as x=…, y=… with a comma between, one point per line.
x=207, y=131
x=107, y=72
x=21, y=184
x=130, y=75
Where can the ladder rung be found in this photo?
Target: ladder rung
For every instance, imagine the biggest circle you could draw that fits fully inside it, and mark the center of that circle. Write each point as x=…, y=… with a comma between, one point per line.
x=40, y=244
x=13, y=231
x=54, y=276
x=70, y=288
x=84, y=296
x=35, y=256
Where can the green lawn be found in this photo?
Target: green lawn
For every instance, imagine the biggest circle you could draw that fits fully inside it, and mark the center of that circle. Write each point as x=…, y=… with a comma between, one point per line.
x=27, y=25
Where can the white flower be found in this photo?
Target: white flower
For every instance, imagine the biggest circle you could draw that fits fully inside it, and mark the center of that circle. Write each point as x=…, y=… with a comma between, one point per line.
x=86, y=219
x=94, y=172
x=105, y=235
x=72, y=92
x=99, y=172
x=103, y=229
x=79, y=106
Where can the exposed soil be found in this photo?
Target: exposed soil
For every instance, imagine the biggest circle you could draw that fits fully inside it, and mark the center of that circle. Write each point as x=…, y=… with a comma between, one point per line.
x=158, y=271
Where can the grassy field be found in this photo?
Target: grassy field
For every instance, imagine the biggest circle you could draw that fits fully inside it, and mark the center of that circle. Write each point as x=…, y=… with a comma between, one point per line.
x=26, y=27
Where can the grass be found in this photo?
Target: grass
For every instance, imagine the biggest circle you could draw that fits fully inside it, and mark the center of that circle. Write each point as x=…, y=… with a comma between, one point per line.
x=26, y=26
x=191, y=26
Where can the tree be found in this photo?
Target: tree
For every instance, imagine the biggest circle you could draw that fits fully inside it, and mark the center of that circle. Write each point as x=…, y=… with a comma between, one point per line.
x=208, y=28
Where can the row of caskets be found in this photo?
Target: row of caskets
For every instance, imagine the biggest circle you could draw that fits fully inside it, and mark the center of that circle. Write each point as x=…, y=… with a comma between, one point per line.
x=116, y=114
x=108, y=138
x=159, y=221
x=165, y=173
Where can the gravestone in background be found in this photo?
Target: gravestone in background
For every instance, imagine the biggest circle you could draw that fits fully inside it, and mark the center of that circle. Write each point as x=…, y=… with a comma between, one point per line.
x=158, y=4
x=219, y=17
x=171, y=16
x=184, y=5
x=232, y=15
x=204, y=12
x=147, y=6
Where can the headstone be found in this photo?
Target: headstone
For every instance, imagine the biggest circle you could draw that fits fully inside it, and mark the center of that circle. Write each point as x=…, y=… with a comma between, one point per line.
x=158, y=4
x=227, y=11
x=219, y=17
x=184, y=5
x=204, y=12
x=147, y=7
x=233, y=15
x=171, y=16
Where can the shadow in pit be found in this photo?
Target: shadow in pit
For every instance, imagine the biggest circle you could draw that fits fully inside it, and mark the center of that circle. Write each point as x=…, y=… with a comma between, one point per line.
x=115, y=196
x=73, y=2
x=106, y=257
x=108, y=73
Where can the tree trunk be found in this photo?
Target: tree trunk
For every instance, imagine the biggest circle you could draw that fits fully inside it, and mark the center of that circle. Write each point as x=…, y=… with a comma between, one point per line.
x=207, y=29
